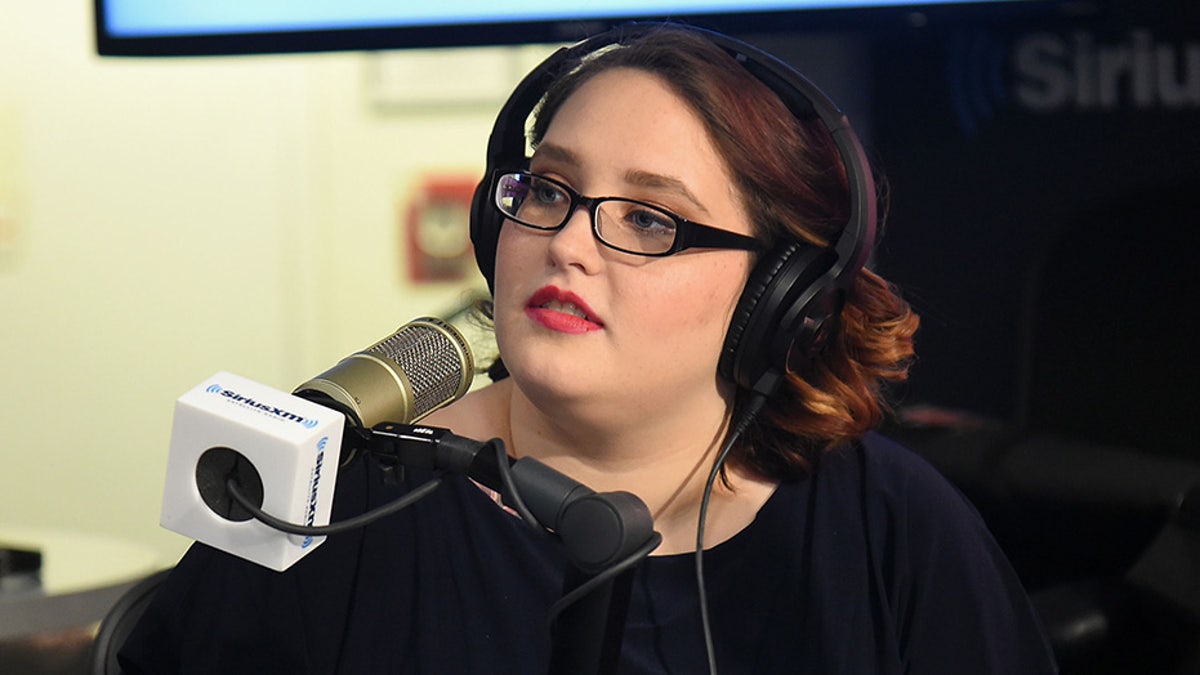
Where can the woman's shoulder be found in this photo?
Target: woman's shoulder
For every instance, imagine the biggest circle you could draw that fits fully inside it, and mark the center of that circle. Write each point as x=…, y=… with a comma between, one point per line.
x=890, y=471
x=929, y=548
x=887, y=489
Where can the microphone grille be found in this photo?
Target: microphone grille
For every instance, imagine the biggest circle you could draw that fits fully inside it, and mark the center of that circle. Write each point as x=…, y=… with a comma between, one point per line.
x=421, y=367
x=436, y=359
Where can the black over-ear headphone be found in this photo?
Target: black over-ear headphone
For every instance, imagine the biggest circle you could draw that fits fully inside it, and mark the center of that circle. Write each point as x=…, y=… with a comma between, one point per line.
x=795, y=288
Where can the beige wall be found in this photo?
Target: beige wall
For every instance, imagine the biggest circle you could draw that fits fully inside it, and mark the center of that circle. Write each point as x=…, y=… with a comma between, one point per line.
x=163, y=219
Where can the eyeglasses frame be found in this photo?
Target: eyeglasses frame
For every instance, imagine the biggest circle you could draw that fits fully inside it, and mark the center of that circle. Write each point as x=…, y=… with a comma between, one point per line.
x=688, y=233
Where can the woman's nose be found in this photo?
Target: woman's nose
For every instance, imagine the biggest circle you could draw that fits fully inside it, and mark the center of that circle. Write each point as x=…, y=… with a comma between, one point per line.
x=575, y=243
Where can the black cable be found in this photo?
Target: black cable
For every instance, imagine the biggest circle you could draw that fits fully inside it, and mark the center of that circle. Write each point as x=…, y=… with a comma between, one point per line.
x=358, y=521
x=755, y=404
x=506, y=480
x=613, y=570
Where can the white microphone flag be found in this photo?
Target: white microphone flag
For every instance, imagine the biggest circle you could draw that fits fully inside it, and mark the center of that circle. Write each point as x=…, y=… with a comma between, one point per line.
x=293, y=444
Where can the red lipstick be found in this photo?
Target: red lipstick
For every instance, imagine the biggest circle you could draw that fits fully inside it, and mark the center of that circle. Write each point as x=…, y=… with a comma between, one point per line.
x=561, y=311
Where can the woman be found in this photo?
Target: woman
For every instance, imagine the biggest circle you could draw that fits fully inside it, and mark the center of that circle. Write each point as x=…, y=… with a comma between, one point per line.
x=827, y=548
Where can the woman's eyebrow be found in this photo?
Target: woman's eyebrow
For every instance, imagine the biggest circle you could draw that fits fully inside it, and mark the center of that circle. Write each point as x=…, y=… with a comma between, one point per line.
x=638, y=177
x=556, y=153
x=659, y=181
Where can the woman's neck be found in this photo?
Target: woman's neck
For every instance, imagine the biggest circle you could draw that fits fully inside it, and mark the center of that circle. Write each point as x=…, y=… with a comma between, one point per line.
x=664, y=458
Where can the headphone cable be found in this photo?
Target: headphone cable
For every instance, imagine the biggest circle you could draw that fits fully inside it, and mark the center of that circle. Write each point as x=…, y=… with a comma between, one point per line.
x=753, y=406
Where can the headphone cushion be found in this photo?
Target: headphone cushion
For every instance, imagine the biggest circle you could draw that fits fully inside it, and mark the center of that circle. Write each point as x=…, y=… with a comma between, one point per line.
x=758, y=340
x=485, y=230
x=744, y=313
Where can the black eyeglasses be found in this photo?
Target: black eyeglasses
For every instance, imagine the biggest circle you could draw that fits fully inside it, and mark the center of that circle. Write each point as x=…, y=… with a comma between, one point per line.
x=626, y=225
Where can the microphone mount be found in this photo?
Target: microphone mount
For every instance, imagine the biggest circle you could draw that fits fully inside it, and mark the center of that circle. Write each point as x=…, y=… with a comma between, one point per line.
x=597, y=529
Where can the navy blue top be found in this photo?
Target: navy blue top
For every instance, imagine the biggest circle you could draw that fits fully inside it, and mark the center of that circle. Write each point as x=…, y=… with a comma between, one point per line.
x=875, y=564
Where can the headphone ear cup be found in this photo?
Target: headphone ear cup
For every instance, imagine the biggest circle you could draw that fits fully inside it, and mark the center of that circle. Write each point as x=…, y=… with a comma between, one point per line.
x=760, y=277
x=770, y=316
x=485, y=224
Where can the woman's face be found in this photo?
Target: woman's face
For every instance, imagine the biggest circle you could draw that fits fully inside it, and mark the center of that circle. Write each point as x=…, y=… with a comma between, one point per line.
x=579, y=322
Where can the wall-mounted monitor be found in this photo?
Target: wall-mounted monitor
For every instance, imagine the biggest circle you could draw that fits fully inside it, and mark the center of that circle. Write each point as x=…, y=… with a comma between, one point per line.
x=210, y=27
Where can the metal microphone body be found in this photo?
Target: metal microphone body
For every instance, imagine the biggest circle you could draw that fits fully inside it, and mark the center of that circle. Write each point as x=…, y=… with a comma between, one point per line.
x=423, y=366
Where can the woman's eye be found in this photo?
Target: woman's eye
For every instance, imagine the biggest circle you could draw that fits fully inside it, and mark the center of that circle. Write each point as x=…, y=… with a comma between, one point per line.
x=547, y=193
x=651, y=222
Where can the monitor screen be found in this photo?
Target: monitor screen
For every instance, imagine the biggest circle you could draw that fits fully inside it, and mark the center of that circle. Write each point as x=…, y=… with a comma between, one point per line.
x=197, y=27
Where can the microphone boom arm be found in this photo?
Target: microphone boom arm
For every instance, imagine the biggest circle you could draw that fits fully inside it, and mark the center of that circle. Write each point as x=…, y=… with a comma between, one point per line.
x=604, y=534
x=598, y=529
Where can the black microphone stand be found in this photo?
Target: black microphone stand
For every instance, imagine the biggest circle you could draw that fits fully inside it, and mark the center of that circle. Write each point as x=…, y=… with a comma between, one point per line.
x=604, y=535
x=586, y=637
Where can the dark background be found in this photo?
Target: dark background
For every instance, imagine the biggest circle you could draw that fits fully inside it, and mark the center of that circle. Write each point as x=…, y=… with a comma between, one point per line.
x=1049, y=248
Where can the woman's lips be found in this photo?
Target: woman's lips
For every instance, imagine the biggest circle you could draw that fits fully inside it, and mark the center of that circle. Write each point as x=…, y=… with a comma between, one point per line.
x=561, y=311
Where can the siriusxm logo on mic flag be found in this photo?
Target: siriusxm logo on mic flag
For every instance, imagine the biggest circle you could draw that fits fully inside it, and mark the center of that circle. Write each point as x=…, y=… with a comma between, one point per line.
x=251, y=403
x=282, y=438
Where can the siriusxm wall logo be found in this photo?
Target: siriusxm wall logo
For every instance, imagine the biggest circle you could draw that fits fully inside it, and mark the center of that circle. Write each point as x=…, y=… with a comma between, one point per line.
x=1045, y=73
x=264, y=407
